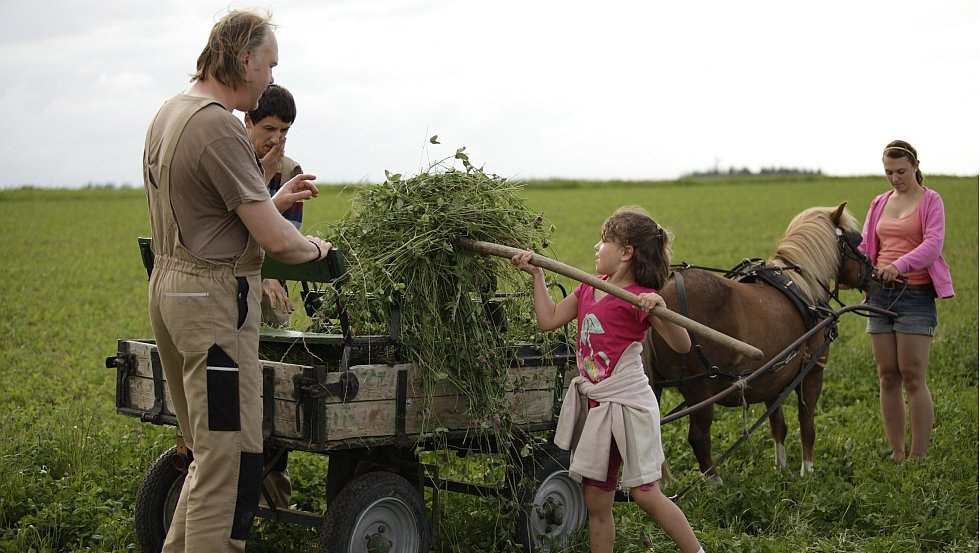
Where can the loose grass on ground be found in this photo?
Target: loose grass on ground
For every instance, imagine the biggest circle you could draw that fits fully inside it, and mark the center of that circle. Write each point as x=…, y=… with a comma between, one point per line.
x=72, y=284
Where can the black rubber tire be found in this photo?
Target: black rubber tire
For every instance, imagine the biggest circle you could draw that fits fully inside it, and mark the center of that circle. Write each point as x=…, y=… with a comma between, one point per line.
x=552, y=487
x=156, y=501
x=377, y=505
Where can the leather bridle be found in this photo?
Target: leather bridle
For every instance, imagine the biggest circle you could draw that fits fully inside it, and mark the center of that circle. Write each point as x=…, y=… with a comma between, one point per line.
x=849, y=242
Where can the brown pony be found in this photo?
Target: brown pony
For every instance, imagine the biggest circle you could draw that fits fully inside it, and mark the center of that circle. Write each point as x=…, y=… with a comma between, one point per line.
x=819, y=246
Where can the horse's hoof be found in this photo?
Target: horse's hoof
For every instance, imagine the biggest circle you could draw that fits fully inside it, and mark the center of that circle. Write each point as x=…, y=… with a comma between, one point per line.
x=716, y=481
x=780, y=458
x=806, y=468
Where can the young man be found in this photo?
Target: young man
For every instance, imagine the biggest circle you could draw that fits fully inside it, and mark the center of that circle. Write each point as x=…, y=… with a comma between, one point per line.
x=267, y=126
x=211, y=216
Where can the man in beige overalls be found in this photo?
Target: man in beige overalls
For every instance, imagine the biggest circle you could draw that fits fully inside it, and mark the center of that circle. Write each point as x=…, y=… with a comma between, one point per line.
x=211, y=218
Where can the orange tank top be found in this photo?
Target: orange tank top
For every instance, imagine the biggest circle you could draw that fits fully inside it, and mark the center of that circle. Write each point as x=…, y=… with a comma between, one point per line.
x=898, y=236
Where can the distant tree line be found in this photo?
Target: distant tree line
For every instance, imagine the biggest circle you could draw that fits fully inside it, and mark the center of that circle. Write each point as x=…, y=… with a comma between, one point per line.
x=746, y=172
x=108, y=186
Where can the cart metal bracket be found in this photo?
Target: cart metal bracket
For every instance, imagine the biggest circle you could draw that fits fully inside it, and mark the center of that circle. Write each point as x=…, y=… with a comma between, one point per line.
x=311, y=395
x=401, y=399
x=125, y=364
x=345, y=389
x=429, y=475
x=268, y=401
x=155, y=412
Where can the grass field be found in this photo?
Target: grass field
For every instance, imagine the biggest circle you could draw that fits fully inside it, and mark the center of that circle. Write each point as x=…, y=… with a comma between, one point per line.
x=72, y=284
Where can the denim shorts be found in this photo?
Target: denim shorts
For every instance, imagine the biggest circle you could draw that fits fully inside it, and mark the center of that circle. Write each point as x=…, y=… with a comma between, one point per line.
x=916, y=311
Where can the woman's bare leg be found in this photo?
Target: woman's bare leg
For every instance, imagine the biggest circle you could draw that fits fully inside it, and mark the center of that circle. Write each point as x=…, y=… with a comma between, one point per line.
x=913, y=362
x=885, y=348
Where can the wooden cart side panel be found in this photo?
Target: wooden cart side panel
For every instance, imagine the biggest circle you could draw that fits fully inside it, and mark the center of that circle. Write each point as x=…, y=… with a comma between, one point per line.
x=373, y=411
x=518, y=378
x=351, y=421
x=570, y=373
x=379, y=382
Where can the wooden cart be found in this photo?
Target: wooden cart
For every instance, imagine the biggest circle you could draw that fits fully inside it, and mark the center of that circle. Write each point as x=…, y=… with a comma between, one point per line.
x=350, y=398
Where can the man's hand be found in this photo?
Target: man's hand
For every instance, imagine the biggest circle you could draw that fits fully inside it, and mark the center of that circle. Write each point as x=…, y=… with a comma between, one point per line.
x=276, y=294
x=272, y=160
x=323, y=247
x=299, y=188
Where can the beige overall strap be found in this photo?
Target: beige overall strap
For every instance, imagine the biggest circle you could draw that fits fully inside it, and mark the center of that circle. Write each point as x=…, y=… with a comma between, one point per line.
x=166, y=241
x=151, y=189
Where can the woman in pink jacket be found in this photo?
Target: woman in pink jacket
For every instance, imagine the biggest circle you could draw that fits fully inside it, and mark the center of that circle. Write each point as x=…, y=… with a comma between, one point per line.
x=903, y=236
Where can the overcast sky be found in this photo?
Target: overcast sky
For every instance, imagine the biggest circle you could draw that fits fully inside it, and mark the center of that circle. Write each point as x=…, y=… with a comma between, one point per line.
x=609, y=89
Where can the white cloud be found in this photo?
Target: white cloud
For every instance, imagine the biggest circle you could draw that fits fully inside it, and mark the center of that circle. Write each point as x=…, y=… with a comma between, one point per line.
x=620, y=89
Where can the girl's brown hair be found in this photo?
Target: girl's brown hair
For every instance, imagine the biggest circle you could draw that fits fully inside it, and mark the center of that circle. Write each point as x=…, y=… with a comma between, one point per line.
x=633, y=226
x=236, y=33
x=897, y=149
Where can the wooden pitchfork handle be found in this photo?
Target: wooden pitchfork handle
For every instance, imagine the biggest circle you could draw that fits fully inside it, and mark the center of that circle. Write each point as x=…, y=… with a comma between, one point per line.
x=708, y=333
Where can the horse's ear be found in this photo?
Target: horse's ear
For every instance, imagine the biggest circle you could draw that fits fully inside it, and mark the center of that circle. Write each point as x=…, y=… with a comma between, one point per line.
x=840, y=211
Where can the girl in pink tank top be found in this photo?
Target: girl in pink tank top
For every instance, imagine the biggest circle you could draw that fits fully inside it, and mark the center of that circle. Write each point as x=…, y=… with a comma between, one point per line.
x=632, y=253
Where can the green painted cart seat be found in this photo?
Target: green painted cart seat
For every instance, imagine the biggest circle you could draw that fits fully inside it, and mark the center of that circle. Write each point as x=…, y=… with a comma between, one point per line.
x=325, y=270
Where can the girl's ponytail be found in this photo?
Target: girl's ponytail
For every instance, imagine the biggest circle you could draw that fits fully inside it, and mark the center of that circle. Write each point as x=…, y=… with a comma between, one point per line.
x=633, y=226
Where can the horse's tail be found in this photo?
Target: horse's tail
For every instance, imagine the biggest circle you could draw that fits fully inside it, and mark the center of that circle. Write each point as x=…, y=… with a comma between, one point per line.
x=649, y=357
x=665, y=474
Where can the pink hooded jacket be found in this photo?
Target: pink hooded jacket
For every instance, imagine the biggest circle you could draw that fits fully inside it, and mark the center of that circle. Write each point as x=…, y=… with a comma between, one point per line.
x=928, y=254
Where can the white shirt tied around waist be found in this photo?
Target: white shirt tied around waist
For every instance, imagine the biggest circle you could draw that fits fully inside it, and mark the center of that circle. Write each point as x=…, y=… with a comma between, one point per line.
x=628, y=411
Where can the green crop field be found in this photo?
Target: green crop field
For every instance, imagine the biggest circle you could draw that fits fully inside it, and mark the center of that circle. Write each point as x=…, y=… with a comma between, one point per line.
x=72, y=284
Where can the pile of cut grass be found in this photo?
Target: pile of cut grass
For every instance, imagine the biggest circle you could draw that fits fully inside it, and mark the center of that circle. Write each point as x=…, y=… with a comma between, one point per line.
x=398, y=239
x=455, y=325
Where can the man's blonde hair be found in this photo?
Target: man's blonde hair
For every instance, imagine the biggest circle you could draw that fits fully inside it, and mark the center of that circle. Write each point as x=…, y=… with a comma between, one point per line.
x=234, y=34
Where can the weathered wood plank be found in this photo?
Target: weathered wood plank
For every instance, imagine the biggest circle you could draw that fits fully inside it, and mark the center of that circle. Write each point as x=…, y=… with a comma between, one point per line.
x=372, y=412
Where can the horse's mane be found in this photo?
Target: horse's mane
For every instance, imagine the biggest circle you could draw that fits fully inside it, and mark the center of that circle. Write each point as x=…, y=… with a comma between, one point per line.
x=810, y=242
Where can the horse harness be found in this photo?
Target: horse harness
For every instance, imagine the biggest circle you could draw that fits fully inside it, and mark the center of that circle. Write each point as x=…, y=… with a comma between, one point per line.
x=750, y=270
x=815, y=318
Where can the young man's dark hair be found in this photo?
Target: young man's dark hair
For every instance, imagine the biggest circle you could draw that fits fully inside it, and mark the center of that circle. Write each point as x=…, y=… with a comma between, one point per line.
x=277, y=101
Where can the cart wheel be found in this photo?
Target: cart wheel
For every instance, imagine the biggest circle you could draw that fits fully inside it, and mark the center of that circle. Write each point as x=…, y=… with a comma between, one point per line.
x=157, y=498
x=379, y=512
x=555, y=508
